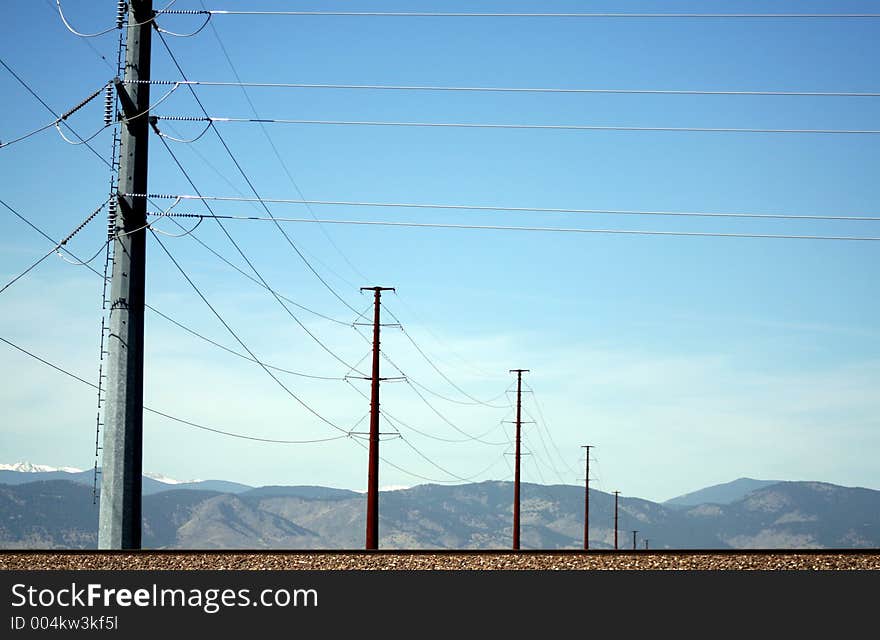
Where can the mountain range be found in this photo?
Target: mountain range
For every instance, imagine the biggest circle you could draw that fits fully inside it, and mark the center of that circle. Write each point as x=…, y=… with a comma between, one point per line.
x=55, y=509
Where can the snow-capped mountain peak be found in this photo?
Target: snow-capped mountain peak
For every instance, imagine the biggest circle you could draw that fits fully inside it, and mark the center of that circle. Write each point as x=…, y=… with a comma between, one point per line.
x=158, y=477
x=29, y=467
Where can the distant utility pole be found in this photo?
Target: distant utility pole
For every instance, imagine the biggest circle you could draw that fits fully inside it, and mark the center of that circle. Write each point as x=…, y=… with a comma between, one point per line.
x=616, y=494
x=634, y=539
x=587, y=498
x=646, y=544
x=373, y=472
x=119, y=519
x=518, y=373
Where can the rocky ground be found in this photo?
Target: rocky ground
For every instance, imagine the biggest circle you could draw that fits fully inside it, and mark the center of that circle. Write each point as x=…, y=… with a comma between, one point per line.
x=642, y=560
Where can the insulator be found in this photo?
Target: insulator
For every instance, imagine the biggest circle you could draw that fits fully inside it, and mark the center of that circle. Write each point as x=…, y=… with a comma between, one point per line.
x=121, y=8
x=108, y=106
x=111, y=218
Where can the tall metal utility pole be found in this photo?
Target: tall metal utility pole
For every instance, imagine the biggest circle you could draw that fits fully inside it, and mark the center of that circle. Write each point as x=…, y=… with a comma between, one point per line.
x=634, y=539
x=587, y=498
x=373, y=472
x=516, y=474
x=119, y=519
x=616, y=494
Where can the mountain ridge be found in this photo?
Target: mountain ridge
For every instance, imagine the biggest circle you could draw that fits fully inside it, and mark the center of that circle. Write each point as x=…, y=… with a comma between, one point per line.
x=59, y=514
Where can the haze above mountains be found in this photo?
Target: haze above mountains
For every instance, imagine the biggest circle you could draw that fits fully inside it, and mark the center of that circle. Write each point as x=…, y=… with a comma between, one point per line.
x=45, y=508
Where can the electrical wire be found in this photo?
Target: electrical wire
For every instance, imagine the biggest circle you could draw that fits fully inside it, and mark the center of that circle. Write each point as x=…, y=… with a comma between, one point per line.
x=445, y=470
x=166, y=415
x=486, y=403
x=552, y=465
x=28, y=270
x=182, y=140
x=251, y=264
x=57, y=246
x=437, y=225
x=474, y=89
x=163, y=315
x=274, y=148
x=113, y=28
x=401, y=469
x=83, y=263
x=237, y=353
x=185, y=35
x=438, y=14
x=445, y=419
x=494, y=208
x=30, y=90
x=542, y=127
x=397, y=422
x=58, y=118
x=250, y=183
x=241, y=342
x=547, y=429
x=233, y=265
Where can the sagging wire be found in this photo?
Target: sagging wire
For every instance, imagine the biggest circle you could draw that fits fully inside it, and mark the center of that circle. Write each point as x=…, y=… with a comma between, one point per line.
x=121, y=8
x=61, y=118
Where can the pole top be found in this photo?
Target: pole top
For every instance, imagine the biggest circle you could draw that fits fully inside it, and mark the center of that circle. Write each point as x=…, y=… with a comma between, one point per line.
x=519, y=371
x=378, y=289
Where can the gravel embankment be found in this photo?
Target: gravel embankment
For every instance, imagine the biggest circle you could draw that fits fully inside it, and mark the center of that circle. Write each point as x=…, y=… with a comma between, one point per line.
x=644, y=560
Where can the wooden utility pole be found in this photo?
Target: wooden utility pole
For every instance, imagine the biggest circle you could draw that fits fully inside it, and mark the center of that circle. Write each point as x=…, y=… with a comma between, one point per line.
x=372, y=541
x=516, y=474
x=119, y=519
x=616, y=494
x=587, y=497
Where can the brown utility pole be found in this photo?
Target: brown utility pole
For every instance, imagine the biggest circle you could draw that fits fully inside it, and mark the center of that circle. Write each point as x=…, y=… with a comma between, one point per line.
x=616, y=494
x=518, y=373
x=373, y=473
x=587, y=498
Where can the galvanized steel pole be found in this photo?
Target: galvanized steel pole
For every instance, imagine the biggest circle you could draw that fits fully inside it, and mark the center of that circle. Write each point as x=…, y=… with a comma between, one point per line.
x=119, y=520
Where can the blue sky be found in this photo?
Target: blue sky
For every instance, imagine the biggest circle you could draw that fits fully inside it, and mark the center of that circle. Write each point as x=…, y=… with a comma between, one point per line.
x=686, y=361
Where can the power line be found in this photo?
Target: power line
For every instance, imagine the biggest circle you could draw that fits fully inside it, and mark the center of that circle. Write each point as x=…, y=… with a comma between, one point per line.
x=52, y=111
x=438, y=14
x=236, y=353
x=58, y=119
x=251, y=264
x=409, y=379
x=547, y=429
x=54, y=249
x=433, y=225
x=161, y=314
x=250, y=183
x=445, y=470
x=275, y=149
x=397, y=422
x=477, y=89
x=241, y=342
x=543, y=127
x=552, y=465
x=494, y=208
x=440, y=372
x=119, y=22
x=167, y=415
